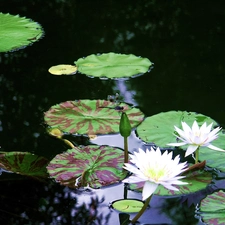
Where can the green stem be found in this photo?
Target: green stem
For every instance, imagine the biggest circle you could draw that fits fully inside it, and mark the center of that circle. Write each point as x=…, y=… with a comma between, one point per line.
x=142, y=210
x=125, y=150
x=196, y=155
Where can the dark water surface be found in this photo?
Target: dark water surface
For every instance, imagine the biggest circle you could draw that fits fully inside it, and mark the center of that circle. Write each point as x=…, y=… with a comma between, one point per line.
x=184, y=39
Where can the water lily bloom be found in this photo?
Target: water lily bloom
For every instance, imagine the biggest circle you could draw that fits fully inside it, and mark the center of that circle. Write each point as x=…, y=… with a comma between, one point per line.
x=196, y=137
x=155, y=169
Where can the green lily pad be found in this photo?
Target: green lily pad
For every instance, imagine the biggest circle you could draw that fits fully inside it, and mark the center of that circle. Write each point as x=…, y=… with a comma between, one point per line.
x=197, y=180
x=212, y=209
x=17, y=32
x=91, y=165
x=128, y=205
x=90, y=116
x=214, y=159
x=112, y=65
x=24, y=163
x=159, y=129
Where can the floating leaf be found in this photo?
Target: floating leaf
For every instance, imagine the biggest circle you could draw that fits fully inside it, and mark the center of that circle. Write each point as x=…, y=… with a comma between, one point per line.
x=17, y=32
x=159, y=129
x=91, y=165
x=112, y=65
x=197, y=180
x=24, y=163
x=63, y=69
x=128, y=205
x=212, y=209
x=213, y=158
x=90, y=116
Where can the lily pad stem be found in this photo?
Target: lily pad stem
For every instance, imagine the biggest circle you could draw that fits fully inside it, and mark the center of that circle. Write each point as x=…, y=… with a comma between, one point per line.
x=144, y=207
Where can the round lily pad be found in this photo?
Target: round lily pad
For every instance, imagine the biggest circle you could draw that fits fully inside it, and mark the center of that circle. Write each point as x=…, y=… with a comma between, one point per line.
x=91, y=117
x=91, y=165
x=18, y=32
x=159, y=129
x=212, y=208
x=113, y=65
x=63, y=69
x=128, y=205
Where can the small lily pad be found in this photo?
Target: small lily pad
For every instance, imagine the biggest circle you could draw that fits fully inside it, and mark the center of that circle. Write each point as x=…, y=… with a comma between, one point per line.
x=212, y=208
x=112, y=65
x=91, y=117
x=24, y=163
x=91, y=165
x=128, y=205
x=17, y=32
x=63, y=69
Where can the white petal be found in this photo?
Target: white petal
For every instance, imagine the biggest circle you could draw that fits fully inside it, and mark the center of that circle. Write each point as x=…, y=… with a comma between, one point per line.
x=191, y=149
x=148, y=189
x=132, y=179
x=177, y=144
x=215, y=148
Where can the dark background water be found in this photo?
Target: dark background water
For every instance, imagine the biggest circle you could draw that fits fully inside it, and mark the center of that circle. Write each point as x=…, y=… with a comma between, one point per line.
x=184, y=39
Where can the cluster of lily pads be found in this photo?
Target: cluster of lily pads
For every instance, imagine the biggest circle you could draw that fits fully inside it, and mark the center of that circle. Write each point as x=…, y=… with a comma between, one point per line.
x=101, y=165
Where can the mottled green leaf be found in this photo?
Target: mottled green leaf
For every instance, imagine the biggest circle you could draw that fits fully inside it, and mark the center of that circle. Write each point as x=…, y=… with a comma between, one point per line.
x=112, y=65
x=212, y=209
x=24, y=163
x=197, y=180
x=90, y=116
x=17, y=32
x=159, y=128
x=91, y=165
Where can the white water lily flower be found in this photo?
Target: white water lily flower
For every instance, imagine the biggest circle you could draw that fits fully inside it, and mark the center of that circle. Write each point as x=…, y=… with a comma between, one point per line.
x=154, y=169
x=196, y=137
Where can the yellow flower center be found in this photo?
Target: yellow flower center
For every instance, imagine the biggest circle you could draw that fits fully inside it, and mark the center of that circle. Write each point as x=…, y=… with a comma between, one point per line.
x=155, y=173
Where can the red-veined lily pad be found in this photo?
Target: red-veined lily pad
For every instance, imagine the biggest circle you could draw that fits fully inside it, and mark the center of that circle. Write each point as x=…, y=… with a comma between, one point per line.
x=90, y=116
x=212, y=209
x=159, y=128
x=197, y=180
x=17, y=32
x=91, y=165
x=62, y=69
x=24, y=163
x=113, y=65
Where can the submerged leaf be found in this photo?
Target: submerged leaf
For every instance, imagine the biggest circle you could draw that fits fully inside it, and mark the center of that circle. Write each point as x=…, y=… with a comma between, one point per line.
x=91, y=165
x=90, y=117
x=24, y=163
x=17, y=32
x=112, y=65
x=63, y=69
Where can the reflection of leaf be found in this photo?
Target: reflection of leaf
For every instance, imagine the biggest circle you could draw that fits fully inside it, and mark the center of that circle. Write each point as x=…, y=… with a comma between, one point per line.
x=90, y=116
x=112, y=65
x=196, y=180
x=212, y=208
x=98, y=166
x=62, y=69
x=17, y=32
x=159, y=128
x=24, y=163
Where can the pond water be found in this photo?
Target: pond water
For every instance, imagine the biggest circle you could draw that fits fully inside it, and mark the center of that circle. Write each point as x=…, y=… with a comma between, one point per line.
x=184, y=40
